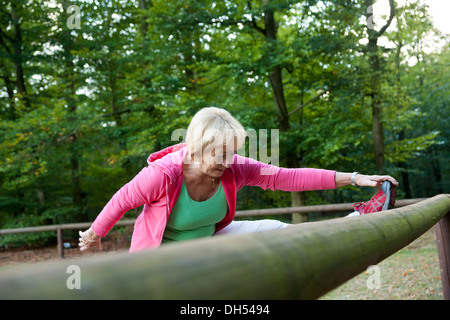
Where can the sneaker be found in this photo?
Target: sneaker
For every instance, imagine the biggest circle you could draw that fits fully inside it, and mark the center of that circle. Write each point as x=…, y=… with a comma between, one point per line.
x=383, y=200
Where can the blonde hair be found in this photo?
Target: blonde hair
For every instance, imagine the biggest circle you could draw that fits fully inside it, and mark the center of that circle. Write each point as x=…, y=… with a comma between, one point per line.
x=213, y=128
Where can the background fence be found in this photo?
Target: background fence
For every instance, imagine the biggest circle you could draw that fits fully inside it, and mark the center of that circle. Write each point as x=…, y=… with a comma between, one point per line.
x=243, y=213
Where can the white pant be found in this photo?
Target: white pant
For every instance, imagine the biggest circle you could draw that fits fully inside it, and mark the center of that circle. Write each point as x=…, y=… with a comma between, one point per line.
x=354, y=214
x=249, y=226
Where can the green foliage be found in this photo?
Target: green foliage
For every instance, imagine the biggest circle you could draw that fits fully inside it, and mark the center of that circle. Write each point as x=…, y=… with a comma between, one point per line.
x=94, y=102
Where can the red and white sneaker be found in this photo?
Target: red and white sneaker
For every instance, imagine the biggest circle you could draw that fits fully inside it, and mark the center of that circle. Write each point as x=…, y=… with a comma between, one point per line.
x=383, y=200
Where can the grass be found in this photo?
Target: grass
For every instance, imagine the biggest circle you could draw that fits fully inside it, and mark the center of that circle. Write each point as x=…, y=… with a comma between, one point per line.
x=410, y=274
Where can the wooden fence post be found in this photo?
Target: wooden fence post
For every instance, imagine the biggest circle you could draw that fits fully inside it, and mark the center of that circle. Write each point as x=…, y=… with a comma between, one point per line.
x=442, y=230
x=60, y=243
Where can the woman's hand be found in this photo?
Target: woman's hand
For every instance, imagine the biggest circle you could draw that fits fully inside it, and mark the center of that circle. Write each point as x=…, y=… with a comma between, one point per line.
x=89, y=239
x=373, y=181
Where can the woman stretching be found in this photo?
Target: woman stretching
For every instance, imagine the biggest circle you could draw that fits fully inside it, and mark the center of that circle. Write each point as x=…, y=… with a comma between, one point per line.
x=189, y=189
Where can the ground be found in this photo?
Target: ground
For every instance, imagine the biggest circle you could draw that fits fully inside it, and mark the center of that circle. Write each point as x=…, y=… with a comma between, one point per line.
x=412, y=273
x=20, y=257
x=29, y=256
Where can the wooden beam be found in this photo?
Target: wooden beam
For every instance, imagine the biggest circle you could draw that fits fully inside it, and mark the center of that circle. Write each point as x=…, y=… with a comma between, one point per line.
x=304, y=261
x=55, y=227
x=442, y=230
x=60, y=242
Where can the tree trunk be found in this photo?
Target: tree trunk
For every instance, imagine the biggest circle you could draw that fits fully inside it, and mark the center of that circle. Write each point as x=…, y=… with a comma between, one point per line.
x=436, y=168
x=18, y=57
x=144, y=24
x=375, y=92
x=276, y=81
x=401, y=136
x=298, y=200
x=406, y=185
x=113, y=90
x=275, y=77
x=9, y=84
x=72, y=107
x=146, y=80
x=375, y=84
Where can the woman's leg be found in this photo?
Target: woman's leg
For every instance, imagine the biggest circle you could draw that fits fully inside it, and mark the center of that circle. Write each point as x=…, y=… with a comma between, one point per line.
x=247, y=226
x=383, y=200
x=354, y=214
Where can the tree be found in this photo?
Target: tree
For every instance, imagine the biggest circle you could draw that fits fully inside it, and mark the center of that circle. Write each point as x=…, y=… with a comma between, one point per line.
x=81, y=108
x=376, y=70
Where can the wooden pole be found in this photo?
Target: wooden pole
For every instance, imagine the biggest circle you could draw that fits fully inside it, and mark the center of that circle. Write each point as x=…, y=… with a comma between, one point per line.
x=304, y=261
x=55, y=227
x=60, y=243
x=442, y=230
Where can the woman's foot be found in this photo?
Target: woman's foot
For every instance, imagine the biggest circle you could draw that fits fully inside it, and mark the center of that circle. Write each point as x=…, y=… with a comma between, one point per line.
x=383, y=200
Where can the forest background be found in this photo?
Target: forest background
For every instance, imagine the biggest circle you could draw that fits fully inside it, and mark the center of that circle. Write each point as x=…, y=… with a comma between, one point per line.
x=88, y=89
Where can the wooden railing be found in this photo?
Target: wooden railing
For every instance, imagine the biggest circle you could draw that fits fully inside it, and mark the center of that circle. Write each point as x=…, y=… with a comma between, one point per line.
x=304, y=261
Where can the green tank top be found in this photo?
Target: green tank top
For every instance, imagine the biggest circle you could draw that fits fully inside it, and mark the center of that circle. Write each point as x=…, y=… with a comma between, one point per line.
x=192, y=219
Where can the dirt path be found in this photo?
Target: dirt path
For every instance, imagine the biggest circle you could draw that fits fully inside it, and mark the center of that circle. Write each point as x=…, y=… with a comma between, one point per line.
x=10, y=258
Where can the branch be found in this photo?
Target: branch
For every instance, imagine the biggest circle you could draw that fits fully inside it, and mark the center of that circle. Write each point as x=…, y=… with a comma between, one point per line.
x=212, y=81
x=388, y=23
x=253, y=22
x=4, y=35
x=258, y=28
x=128, y=110
x=117, y=113
x=308, y=102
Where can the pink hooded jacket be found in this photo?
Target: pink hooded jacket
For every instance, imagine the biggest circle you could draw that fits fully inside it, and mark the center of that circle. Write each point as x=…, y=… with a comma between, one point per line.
x=158, y=186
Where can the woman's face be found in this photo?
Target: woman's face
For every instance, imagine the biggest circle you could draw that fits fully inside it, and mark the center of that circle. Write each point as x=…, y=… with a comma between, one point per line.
x=216, y=160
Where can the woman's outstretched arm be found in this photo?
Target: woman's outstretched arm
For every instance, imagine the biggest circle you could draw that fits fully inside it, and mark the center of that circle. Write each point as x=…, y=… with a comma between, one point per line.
x=344, y=179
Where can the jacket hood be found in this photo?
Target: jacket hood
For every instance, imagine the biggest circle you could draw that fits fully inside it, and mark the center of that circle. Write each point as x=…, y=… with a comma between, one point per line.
x=169, y=160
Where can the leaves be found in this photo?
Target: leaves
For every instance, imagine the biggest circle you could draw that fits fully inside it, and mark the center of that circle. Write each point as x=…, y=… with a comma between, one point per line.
x=103, y=97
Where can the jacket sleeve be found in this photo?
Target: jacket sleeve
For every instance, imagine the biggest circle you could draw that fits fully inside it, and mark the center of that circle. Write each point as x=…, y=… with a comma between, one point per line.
x=146, y=187
x=250, y=172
